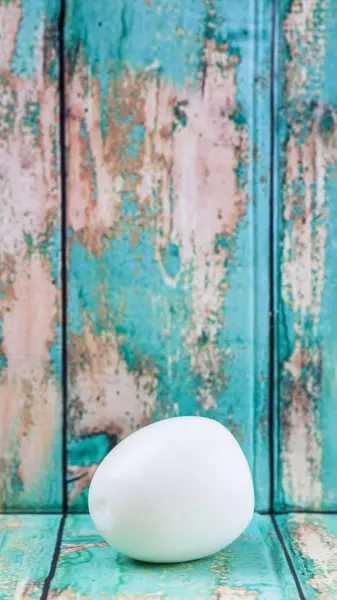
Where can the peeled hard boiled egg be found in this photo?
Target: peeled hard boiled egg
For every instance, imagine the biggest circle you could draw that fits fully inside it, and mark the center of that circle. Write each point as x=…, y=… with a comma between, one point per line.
x=176, y=490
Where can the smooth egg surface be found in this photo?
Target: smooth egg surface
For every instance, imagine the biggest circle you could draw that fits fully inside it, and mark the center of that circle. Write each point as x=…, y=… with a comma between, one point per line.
x=176, y=490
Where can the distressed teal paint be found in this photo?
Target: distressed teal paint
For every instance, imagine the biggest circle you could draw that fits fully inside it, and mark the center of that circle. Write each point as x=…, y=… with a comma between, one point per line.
x=259, y=176
x=3, y=357
x=55, y=352
x=121, y=288
x=30, y=120
x=54, y=254
x=30, y=210
x=143, y=319
x=89, y=450
x=55, y=349
x=144, y=33
x=328, y=326
x=45, y=495
x=8, y=105
x=311, y=541
x=133, y=24
x=26, y=549
x=328, y=332
x=253, y=565
x=305, y=445
x=34, y=14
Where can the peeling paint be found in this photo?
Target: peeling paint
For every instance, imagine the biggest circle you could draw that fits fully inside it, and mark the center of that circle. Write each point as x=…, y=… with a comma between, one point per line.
x=26, y=549
x=308, y=153
x=29, y=301
x=80, y=477
x=253, y=567
x=319, y=546
x=159, y=218
x=25, y=590
x=226, y=593
x=69, y=548
x=312, y=543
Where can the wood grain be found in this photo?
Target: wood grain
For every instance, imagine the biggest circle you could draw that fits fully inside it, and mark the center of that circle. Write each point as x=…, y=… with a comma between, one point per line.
x=306, y=143
x=312, y=544
x=26, y=549
x=168, y=215
x=253, y=568
x=30, y=322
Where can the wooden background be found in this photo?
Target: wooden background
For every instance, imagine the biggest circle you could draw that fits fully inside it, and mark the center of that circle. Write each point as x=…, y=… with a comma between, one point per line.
x=167, y=237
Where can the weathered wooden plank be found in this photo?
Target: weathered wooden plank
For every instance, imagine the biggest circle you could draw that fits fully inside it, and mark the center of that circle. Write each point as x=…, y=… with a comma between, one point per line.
x=312, y=544
x=27, y=545
x=30, y=399
x=253, y=567
x=168, y=157
x=306, y=162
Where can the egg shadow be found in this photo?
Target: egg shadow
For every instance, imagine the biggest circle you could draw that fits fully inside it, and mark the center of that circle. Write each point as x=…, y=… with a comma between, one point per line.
x=190, y=565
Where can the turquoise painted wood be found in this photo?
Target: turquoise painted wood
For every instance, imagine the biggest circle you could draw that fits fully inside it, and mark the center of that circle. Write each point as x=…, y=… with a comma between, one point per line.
x=168, y=214
x=254, y=567
x=168, y=134
x=26, y=548
x=306, y=443
x=30, y=301
x=312, y=543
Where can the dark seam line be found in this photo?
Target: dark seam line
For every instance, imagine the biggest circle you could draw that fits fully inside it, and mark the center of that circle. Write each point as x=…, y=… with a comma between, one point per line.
x=289, y=561
x=62, y=125
x=31, y=512
x=38, y=513
x=48, y=579
x=272, y=238
x=266, y=513
x=302, y=511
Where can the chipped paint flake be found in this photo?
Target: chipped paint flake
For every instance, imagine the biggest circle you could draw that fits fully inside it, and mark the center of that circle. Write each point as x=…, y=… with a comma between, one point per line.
x=69, y=548
x=80, y=477
x=227, y=593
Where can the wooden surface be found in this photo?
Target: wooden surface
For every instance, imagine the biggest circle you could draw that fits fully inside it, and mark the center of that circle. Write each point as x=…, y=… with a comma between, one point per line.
x=254, y=567
x=167, y=194
x=37, y=562
x=169, y=142
x=27, y=545
x=168, y=123
x=30, y=320
x=312, y=544
x=306, y=447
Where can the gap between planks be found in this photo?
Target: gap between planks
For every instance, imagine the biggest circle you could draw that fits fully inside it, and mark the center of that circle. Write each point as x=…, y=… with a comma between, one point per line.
x=288, y=557
x=64, y=272
x=54, y=561
x=85, y=512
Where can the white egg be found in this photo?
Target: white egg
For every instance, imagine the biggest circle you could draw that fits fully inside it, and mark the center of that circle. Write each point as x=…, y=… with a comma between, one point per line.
x=176, y=490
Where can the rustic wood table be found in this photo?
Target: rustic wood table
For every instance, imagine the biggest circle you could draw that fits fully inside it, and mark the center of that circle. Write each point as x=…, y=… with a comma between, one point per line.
x=284, y=558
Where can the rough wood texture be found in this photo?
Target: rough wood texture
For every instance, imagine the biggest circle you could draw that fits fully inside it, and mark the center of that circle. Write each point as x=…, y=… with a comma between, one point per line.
x=168, y=157
x=30, y=396
x=312, y=544
x=253, y=568
x=27, y=544
x=307, y=145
